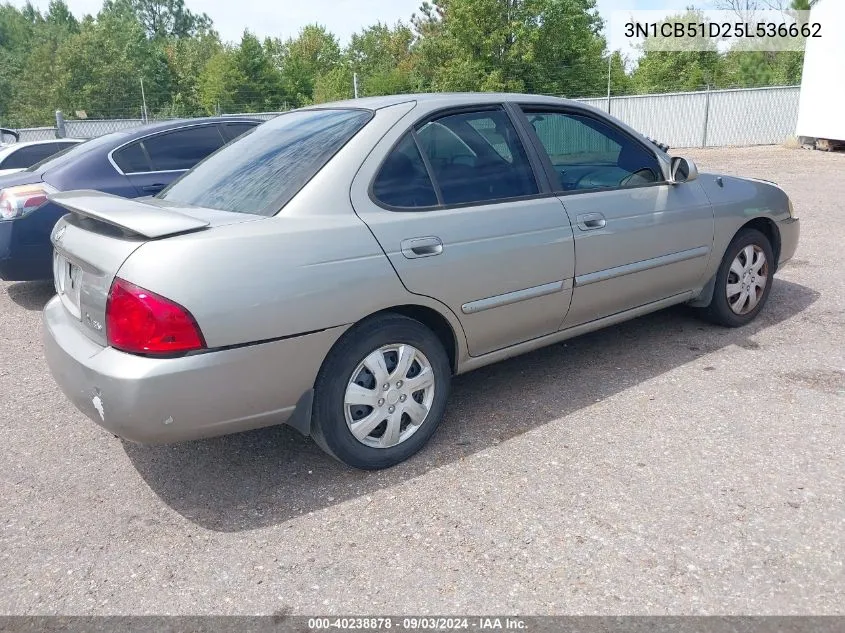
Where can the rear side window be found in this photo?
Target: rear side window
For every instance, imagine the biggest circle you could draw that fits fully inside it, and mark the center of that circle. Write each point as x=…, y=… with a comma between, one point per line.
x=477, y=157
x=30, y=155
x=132, y=159
x=182, y=149
x=403, y=180
x=231, y=131
x=260, y=172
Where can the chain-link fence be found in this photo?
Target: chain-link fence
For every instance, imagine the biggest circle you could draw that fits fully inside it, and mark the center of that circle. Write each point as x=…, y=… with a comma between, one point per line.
x=708, y=118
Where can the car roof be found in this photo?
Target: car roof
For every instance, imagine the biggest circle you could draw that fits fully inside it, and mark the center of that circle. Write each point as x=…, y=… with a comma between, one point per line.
x=163, y=126
x=445, y=99
x=41, y=142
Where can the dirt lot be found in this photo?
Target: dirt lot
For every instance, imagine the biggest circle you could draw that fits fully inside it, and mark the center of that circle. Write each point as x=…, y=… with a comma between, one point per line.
x=661, y=466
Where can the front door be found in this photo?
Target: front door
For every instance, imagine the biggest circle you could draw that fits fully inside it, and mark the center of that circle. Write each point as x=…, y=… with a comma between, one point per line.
x=638, y=239
x=458, y=210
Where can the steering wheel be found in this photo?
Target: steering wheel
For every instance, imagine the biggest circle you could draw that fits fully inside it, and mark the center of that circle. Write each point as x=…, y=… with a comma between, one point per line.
x=645, y=173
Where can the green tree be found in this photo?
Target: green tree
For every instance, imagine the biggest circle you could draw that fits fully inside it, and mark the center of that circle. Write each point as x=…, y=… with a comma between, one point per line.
x=314, y=52
x=36, y=93
x=695, y=67
x=99, y=70
x=384, y=60
x=187, y=59
x=219, y=81
x=550, y=46
x=261, y=87
x=16, y=32
x=162, y=18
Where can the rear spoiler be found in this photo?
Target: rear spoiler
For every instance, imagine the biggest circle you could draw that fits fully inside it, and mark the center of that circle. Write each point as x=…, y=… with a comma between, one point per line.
x=131, y=215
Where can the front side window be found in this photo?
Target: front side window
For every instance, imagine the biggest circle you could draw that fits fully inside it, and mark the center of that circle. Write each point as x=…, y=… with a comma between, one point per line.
x=477, y=157
x=260, y=171
x=588, y=154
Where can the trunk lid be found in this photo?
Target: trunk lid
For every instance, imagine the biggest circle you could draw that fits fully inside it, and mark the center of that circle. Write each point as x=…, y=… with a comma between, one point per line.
x=91, y=243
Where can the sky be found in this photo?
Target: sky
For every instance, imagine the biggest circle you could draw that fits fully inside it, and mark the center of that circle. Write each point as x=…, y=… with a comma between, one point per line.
x=284, y=18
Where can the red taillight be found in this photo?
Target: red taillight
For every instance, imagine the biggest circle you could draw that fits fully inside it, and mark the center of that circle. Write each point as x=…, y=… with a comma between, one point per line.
x=142, y=322
x=16, y=202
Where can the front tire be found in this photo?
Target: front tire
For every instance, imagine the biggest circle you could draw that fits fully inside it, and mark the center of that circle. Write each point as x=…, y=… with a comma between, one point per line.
x=381, y=392
x=743, y=281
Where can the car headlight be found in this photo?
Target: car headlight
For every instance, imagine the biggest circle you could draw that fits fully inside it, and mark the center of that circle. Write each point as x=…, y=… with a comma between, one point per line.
x=791, y=208
x=16, y=202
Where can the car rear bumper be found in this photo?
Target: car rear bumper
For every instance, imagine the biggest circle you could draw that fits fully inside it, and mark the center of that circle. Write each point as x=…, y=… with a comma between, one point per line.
x=25, y=248
x=160, y=400
x=790, y=231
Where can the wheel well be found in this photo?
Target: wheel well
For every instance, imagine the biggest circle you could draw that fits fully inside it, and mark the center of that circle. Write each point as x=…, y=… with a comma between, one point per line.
x=768, y=228
x=436, y=322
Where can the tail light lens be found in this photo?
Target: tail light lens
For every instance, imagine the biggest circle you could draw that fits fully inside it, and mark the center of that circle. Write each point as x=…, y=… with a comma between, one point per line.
x=16, y=202
x=141, y=322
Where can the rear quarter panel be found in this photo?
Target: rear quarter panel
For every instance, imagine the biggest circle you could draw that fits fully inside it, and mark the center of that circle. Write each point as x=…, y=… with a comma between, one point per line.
x=271, y=278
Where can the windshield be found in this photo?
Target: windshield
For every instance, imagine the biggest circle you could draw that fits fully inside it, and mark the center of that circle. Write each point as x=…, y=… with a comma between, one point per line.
x=76, y=151
x=260, y=172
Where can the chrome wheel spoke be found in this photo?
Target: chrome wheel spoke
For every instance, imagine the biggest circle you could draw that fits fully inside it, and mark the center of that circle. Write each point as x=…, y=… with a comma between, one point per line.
x=760, y=282
x=738, y=305
x=392, y=432
x=759, y=262
x=737, y=268
x=356, y=394
x=748, y=251
x=733, y=289
x=753, y=297
x=422, y=380
x=362, y=428
x=416, y=412
x=375, y=363
x=405, y=358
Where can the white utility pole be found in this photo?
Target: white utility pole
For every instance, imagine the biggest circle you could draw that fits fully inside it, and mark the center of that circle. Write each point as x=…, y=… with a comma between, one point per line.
x=143, y=101
x=355, y=84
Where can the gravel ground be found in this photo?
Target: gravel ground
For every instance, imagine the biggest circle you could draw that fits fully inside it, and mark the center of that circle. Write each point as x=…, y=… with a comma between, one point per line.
x=661, y=466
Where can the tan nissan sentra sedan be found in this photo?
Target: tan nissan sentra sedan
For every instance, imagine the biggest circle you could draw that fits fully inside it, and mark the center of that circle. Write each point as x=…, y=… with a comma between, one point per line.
x=335, y=267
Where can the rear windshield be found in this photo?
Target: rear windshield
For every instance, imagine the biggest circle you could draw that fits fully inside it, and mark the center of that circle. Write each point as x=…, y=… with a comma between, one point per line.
x=258, y=173
x=74, y=152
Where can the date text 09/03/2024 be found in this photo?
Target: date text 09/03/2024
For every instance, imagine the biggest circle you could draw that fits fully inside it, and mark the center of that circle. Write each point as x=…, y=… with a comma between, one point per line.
x=418, y=623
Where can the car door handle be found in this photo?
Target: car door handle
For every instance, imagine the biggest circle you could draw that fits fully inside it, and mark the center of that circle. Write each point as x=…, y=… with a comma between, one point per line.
x=421, y=247
x=591, y=221
x=153, y=188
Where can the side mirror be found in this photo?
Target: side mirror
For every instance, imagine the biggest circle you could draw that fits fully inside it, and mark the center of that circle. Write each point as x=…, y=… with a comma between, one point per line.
x=682, y=170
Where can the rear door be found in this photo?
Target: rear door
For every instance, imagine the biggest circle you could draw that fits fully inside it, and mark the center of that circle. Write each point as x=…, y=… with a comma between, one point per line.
x=457, y=206
x=638, y=239
x=153, y=162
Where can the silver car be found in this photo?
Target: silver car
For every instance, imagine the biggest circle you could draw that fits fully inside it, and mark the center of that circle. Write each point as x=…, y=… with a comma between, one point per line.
x=335, y=268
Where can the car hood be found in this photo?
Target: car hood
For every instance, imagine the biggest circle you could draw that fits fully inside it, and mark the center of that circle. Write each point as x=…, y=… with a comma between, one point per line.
x=6, y=172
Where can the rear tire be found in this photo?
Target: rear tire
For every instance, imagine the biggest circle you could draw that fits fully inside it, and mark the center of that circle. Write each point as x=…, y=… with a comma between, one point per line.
x=381, y=392
x=743, y=281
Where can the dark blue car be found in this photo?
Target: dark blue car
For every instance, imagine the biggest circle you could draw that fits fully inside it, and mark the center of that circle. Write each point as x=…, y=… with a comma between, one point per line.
x=132, y=163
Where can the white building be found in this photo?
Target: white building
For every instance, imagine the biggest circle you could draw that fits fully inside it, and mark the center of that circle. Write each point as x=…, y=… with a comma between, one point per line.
x=821, y=112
